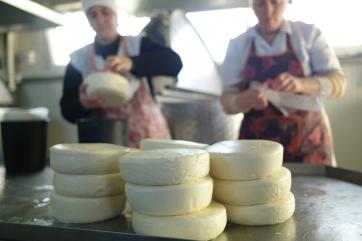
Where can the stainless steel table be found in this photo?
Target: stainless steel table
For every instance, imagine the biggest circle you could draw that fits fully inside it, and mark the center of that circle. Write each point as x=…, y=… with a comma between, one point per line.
x=327, y=209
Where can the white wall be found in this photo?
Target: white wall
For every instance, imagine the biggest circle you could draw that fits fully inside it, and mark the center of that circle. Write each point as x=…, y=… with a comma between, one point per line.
x=47, y=93
x=346, y=118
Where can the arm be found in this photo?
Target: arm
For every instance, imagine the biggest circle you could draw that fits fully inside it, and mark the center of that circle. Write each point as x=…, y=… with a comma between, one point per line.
x=238, y=99
x=331, y=84
x=334, y=83
x=70, y=105
x=325, y=65
x=155, y=59
x=229, y=102
x=235, y=102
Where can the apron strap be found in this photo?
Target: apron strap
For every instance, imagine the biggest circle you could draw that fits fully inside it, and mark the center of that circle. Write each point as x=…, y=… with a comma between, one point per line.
x=92, y=55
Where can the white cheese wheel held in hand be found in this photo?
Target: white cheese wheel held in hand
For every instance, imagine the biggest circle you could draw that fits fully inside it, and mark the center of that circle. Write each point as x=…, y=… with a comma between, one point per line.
x=203, y=225
x=170, y=200
x=245, y=159
x=253, y=192
x=113, y=89
x=88, y=185
x=263, y=214
x=86, y=158
x=86, y=210
x=164, y=167
x=152, y=144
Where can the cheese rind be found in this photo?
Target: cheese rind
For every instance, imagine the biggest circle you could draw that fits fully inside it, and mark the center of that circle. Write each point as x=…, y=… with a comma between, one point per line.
x=252, y=192
x=203, y=225
x=113, y=89
x=164, y=167
x=153, y=144
x=86, y=158
x=263, y=214
x=245, y=159
x=86, y=210
x=170, y=200
x=88, y=185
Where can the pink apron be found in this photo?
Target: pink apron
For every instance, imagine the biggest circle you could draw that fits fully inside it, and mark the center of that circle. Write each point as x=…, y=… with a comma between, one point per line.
x=145, y=119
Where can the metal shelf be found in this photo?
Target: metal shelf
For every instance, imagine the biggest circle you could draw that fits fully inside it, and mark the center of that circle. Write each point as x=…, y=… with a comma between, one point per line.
x=26, y=14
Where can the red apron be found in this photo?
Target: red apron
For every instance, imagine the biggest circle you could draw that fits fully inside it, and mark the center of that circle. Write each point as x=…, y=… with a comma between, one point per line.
x=145, y=119
x=304, y=134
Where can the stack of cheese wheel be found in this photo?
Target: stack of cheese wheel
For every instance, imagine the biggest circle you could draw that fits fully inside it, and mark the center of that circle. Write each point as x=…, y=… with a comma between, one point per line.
x=250, y=180
x=153, y=144
x=87, y=183
x=170, y=193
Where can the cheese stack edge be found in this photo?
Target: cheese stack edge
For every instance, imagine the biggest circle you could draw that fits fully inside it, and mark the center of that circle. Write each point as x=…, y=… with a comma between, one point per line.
x=250, y=181
x=170, y=192
x=87, y=184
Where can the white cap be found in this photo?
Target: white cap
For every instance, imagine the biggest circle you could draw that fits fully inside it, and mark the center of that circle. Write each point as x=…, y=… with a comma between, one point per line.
x=112, y=4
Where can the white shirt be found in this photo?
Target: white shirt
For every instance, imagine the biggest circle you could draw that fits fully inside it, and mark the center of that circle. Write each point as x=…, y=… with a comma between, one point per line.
x=313, y=52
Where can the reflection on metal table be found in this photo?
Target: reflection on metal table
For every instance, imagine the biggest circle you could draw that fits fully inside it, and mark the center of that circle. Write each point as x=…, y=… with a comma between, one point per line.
x=327, y=209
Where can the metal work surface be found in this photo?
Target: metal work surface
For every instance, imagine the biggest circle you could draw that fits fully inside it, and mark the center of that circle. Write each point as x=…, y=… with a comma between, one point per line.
x=326, y=210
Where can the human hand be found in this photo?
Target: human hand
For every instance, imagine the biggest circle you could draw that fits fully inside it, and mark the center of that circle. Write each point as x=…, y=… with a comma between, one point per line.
x=286, y=82
x=88, y=102
x=252, y=99
x=119, y=64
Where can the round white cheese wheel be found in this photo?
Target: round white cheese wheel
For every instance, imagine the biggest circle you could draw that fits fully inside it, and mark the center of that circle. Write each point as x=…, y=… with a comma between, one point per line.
x=86, y=210
x=170, y=200
x=164, y=167
x=113, y=89
x=152, y=144
x=203, y=225
x=88, y=185
x=86, y=158
x=245, y=159
x=264, y=214
x=253, y=192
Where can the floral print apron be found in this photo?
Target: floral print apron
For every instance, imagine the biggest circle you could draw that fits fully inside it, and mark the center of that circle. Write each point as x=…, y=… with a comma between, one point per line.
x=304, y=134
x=145, y=119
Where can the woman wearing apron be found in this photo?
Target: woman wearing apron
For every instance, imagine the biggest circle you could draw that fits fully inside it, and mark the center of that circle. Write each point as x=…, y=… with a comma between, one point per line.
x=283, y=56
x=133, y=57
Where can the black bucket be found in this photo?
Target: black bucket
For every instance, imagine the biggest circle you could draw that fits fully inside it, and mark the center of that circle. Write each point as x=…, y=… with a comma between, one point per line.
x=24, y=145
x=103, y=130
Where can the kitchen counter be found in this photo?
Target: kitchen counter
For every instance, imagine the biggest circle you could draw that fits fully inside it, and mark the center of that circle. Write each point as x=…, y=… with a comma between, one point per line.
x=327, y=209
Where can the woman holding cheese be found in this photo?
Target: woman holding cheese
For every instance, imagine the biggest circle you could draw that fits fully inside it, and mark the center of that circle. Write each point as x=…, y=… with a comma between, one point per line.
x=132, y=57
x=270, y=70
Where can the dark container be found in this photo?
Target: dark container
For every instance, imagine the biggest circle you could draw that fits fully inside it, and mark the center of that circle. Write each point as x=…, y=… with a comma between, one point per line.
x=24, y=145
x=102, y=130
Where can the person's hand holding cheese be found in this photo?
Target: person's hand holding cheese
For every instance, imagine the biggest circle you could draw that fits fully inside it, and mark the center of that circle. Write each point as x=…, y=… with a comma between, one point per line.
x=104, y=90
